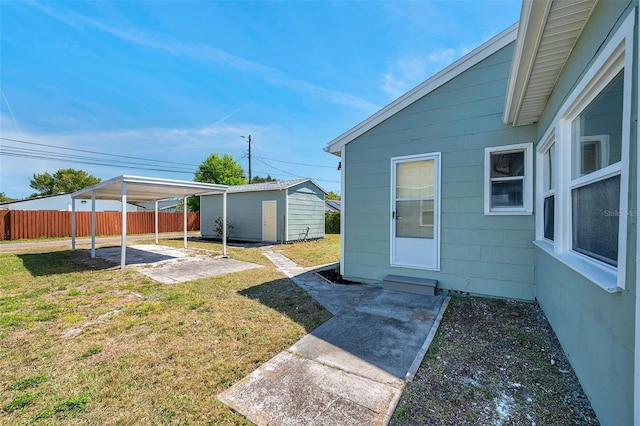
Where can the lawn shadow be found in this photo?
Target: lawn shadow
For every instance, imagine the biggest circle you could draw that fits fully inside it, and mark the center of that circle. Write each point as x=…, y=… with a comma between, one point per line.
x=284, y=296
x=61, y=262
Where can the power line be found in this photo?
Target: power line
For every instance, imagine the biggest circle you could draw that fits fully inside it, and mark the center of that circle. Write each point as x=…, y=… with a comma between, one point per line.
x=147, y=164
x=297, y=164
x=94, y=152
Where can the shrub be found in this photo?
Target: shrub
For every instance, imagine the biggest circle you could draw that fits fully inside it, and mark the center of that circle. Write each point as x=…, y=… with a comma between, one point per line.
x=218, y=228
x=332, y=222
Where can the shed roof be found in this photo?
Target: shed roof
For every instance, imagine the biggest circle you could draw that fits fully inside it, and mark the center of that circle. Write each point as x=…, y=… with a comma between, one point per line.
x=141, y=189
x=268, y=186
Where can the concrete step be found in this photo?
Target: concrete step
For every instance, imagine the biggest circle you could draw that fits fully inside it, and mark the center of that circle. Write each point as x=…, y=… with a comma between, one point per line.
x=415, y=285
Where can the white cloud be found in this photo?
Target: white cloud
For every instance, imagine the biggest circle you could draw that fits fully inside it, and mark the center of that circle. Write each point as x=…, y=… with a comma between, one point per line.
x=406, y=72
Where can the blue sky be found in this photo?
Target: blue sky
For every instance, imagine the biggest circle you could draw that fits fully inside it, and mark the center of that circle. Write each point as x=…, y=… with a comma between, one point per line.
x=171, y=82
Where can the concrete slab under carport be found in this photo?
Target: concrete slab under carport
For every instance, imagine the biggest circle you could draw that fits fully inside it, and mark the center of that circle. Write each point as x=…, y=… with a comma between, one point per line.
x=170, y=265
x=140, y=189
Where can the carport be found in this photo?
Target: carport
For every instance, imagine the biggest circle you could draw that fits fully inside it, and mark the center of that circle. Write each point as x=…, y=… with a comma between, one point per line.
x=140, y=189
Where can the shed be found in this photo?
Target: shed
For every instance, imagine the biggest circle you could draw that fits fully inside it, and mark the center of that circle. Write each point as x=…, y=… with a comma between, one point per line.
x=279, y=211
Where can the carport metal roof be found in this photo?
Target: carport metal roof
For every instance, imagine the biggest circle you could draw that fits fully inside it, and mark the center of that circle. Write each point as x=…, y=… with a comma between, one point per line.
x=139, y=188
x=128, y=188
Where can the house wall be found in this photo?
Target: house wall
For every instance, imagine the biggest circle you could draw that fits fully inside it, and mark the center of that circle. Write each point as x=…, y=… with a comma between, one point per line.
x=490, y=255
x=595, y=328
x=306, y=208
x=244, y=211
x=63, y=202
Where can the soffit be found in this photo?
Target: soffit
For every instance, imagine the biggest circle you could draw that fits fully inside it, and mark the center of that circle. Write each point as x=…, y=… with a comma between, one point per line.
x=549, y=31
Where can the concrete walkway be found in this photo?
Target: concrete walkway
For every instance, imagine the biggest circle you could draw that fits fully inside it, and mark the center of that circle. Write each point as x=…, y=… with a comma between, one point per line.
x=349, y=371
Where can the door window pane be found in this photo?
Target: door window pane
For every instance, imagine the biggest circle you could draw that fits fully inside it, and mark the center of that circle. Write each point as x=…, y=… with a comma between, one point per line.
x=409, y=216
x=597, y=131
x=595, y=209
x=415, y=180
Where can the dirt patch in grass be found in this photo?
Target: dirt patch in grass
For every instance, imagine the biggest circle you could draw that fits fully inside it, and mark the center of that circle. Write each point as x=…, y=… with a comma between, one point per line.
x=494, y=362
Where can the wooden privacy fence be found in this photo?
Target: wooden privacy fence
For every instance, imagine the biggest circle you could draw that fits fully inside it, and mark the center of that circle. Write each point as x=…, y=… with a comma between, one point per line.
x=19, y=224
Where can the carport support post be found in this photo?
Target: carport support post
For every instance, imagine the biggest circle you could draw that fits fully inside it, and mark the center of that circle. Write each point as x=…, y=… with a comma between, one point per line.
x=93, y=224
x=224, y=223
x=156, y=222
x=184, y=216
x=73, y=224
x=123, y=244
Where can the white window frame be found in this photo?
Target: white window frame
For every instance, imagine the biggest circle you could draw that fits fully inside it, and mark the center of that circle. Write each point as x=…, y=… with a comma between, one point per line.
x=616, y=56
x=527, y=185
x=542, y=193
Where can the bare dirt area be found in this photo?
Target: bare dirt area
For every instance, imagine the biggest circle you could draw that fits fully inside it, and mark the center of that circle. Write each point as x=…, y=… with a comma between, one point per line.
x=494, y=362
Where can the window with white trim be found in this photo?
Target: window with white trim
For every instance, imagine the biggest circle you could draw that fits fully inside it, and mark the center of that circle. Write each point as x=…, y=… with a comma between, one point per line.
x=508, y=182
x=596, y=165
x=549, y=192
x=583, y=169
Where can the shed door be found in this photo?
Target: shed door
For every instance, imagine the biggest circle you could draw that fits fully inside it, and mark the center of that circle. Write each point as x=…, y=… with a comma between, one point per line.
x=415, y=211
x=269, y=222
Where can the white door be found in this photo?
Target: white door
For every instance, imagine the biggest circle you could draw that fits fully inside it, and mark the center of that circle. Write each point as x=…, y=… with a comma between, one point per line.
x=269, y=221
x=415, y=211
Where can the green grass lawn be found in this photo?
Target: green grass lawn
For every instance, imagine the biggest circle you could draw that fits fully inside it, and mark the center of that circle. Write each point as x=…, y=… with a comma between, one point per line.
x=311, y=253
x=82, y=342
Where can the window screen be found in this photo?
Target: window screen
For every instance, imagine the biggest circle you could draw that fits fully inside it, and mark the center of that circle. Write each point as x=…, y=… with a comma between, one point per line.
x=595, y=210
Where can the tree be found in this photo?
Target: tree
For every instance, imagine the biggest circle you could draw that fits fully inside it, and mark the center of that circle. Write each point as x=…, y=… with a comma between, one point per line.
x=332, y=196
x=4, y=198
x=216, y=169
x=64, y=180
x=258, y=179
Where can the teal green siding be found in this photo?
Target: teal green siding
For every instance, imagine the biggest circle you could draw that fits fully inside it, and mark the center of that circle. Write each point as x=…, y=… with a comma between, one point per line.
x=596, y=331
x=306, y=208
x=595, y=328
x=244, y=211
x=480, y=254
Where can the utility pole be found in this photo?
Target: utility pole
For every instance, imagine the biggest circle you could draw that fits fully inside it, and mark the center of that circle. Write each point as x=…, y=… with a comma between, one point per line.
x=249, y=156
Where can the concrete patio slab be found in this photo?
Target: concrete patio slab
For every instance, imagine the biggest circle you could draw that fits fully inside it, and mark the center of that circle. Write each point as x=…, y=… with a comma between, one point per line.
x=350, y=370
x=291, y=390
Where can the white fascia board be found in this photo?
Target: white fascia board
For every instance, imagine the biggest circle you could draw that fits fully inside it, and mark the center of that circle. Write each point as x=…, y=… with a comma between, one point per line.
x=458, y=67
x=173, y=187
x=533, y=17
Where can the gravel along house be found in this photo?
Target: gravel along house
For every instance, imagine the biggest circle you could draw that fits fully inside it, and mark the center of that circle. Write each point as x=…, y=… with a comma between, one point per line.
x=514, y=173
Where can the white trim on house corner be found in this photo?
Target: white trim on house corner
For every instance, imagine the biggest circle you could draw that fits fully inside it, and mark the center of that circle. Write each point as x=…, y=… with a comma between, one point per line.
x=617, y=55
x=458, y=67
x=527, y=196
